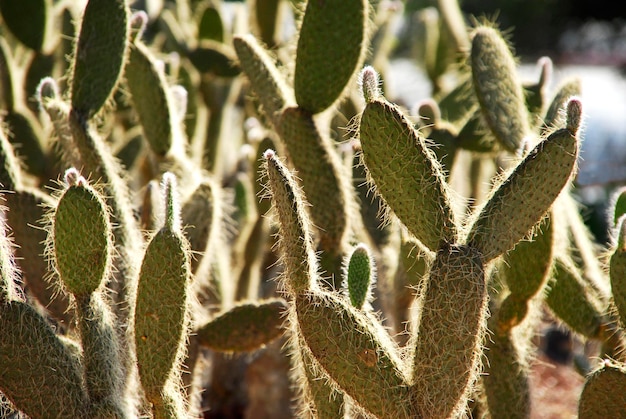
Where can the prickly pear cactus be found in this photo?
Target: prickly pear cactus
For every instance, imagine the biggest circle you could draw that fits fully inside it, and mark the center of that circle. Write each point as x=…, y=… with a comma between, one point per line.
x=198, y=210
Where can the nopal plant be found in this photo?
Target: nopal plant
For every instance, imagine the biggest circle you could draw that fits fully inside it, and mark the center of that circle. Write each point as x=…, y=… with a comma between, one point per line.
x=197, y=212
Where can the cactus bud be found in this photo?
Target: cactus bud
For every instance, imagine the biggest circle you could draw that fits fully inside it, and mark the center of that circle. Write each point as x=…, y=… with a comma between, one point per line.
x=369, y=83
x=360, y=275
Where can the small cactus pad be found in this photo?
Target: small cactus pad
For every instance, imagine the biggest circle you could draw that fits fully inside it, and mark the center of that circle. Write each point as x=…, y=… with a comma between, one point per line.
x=527, y=194
x=265, y=78
x=506, y=379
x=569, y=88
x=498, y=88
x=618, y=272
x=369, y=83
x=573, y=300
x=245, y=327
x=527, y=266
x=330, y=48
x=295, y=229
x=161, y=311
x=457, y=287
x=406, y=173
x=148, y=88
x=32, y=350
x=82, y=237
x=604, y=393
x=354, y=352
x=359, y=275
x=27, y=20
x=619, y=208
x=100, y=54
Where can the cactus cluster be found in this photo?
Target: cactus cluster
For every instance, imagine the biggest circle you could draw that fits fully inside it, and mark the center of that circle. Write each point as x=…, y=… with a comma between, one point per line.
x=181, y=191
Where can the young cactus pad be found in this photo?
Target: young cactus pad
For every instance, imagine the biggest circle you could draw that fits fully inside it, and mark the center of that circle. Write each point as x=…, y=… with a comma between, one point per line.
x=100, y=54
x=295, y=238
x=245, y=327
x=528, y=193
x=498, y=89
x=360, y=274
x=326, y=59
x=406, y=173
x=82, y=236
x=603, y=395
x=31, y=350
x=161, y=318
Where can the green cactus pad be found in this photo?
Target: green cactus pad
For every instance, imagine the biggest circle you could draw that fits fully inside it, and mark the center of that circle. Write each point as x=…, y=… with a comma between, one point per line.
x=573, y=301
x=211, y=25
x=265, y=78
x=100, y=54
x=582, y=246
x=448, y=348
x=603, y=395
x=101, y=355
x=505, y=380
x=27, y=209
x=369, y=84
x=82, y=238
x=296, y=244
x=326, y=401
x=40, y=375
x=161, y=311
x=526, y=195
x=355, y=353
x=406, y=174
x=267, y=18
x=330, y=48
x=497, y=87
x=460, y=102
x=527, y=267
x=245, y=327
x=320, y=172
x=512, y=311
x=360, y=275
x=428, y=39
x=27, y=20
x=475, y=136
x=149, y=93
x=212, y=57
x=201, y=215
x=26, y=133
x=452, y=17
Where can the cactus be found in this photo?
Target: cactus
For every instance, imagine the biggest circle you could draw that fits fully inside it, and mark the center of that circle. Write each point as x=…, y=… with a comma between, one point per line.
x=602, y=396
x=360, y=276
x=161, y=319
x=395, y=275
